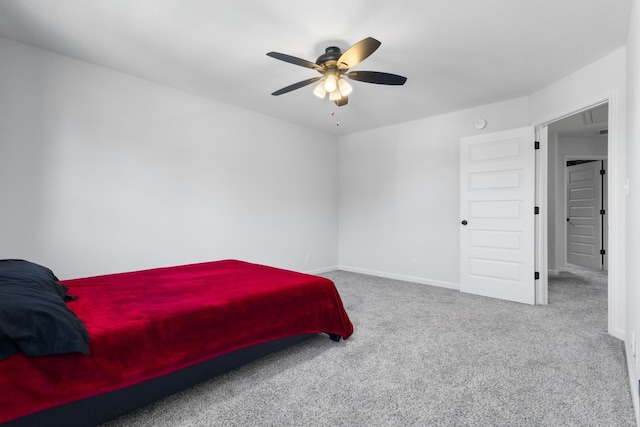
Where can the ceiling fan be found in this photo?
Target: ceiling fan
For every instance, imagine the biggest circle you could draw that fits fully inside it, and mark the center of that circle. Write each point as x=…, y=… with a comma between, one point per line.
x=334, y=66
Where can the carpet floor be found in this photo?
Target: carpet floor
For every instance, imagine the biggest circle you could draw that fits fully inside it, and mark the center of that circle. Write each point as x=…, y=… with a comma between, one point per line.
x=429, y=356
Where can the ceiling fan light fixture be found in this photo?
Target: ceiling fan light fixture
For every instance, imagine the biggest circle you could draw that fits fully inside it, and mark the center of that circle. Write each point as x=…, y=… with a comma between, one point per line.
x=334, y=67
x=330, y=82
x=345, y=87
x=319, y=91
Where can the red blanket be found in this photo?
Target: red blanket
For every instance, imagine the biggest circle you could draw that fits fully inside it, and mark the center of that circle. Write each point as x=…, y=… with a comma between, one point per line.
x=149, y=323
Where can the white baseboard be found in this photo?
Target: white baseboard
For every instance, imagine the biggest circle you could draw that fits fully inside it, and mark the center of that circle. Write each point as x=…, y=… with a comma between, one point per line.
x=633, y=382
x=413, y=279
x=323, y=270
x=618, y=333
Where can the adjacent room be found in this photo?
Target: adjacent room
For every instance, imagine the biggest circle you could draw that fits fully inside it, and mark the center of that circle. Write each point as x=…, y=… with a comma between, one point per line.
x=455, y=182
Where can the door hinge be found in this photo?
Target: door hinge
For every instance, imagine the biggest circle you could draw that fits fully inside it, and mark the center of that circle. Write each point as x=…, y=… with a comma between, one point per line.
x=602, y=172
x=602, y=212
x=537, y=275
x=602, y=252
x=537, y=145
x=536, y=210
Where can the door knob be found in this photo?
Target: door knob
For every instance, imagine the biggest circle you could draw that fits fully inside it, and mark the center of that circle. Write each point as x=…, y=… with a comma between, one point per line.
x=464, y=222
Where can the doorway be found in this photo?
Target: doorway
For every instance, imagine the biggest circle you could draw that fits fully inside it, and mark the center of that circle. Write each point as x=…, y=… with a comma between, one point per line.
x=577, y=232
x=614, y=193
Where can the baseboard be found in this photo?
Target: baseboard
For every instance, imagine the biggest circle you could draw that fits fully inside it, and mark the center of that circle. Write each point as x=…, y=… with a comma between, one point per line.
x=618, y=333
x=553, y=272
x=634, y=383
x=323, y=270
x=413, y=279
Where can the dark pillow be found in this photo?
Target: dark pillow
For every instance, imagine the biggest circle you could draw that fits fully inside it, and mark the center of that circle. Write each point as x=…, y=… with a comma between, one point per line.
x=34, y=318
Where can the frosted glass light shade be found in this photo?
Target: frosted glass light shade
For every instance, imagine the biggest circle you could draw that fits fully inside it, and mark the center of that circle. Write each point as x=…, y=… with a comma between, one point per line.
x=345, y=87
x=330, y=83
x=335, y=95
x=319, y=90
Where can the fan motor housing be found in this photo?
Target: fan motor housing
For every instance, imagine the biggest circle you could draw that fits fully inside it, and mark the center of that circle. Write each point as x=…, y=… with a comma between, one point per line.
x=329, y=57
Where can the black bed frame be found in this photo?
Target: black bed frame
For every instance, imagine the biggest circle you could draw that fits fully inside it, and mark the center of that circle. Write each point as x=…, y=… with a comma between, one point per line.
x=104, y=407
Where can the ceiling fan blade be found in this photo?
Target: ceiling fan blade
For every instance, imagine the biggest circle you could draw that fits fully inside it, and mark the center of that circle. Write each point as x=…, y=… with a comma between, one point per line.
x=296, y=61
x=296, y=86
x=376, y=77
x=342, y=101
x=358, y=53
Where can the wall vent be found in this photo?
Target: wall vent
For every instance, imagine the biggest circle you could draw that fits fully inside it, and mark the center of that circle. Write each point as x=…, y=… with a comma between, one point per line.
x=602, y=131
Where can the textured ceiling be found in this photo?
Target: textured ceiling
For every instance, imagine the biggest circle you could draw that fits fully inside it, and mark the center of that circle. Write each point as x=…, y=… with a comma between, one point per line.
x=456, y=54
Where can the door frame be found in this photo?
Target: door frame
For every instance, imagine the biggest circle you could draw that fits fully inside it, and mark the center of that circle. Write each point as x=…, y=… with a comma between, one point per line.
x=616, y=226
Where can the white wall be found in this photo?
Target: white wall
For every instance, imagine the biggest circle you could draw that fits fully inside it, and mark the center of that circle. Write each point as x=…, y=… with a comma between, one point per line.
x=103, y=172
x=399, y=194
x=633, y=199
x=559, y=148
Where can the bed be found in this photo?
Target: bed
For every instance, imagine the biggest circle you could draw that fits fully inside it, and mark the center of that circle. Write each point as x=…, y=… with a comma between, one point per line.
x=132, y=338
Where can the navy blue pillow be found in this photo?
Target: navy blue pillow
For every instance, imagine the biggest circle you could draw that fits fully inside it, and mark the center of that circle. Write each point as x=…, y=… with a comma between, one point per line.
x=34, y=318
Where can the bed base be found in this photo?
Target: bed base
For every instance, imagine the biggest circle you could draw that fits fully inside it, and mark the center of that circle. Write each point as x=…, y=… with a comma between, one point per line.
x=99, y=409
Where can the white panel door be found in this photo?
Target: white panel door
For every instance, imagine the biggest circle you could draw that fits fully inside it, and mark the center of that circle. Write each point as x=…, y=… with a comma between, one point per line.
x=584, y=223
x=497, y=221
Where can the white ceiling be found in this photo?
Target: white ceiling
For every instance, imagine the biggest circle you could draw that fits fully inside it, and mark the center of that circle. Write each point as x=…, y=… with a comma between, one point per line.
x=456, y=54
